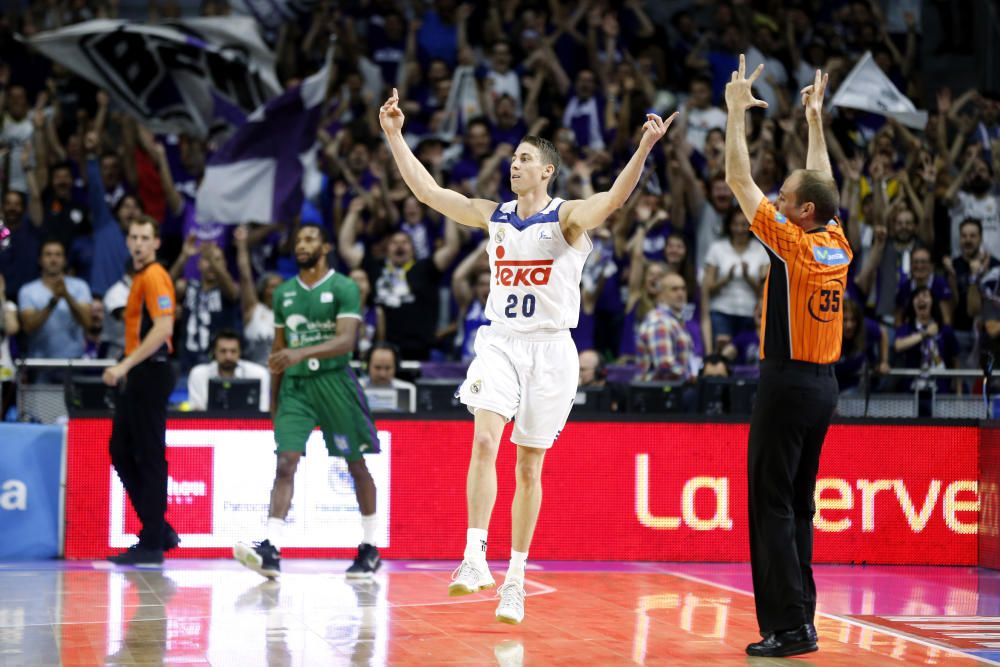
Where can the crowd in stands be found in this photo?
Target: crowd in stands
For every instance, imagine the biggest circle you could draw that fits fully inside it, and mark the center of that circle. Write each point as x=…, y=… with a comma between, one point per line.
x=921, y=207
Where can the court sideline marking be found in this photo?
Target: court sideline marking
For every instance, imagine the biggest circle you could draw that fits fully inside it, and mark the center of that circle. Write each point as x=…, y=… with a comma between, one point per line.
x=848, y=620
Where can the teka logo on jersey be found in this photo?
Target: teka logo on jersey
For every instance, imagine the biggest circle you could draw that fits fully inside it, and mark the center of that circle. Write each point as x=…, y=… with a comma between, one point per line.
x=522, y=272
x=190, y=480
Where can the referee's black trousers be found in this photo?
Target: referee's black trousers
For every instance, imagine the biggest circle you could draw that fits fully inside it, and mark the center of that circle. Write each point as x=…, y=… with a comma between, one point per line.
x=138, y=445
x=794, y=405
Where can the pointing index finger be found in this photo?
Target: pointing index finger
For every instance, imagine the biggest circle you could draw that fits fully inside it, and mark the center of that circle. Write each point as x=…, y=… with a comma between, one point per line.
x=756, y=73
x=743, y=67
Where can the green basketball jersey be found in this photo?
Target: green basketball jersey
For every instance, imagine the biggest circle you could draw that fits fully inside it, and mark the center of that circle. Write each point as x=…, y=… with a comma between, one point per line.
x=308, y=316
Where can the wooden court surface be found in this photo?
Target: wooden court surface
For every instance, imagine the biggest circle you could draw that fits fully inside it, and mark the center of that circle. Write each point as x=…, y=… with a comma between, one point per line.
x=217, y=613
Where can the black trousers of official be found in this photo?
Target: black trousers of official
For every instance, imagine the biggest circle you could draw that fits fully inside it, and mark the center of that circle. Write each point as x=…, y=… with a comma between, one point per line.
x=794, y=405
x=138, y=445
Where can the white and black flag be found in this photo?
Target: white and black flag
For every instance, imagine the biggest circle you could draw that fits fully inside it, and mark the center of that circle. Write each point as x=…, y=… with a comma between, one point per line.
x=183, y=76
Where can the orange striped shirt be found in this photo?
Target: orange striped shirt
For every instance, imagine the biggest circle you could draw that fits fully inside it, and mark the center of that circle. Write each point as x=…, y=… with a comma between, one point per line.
x=804, y=293
x=151, y=296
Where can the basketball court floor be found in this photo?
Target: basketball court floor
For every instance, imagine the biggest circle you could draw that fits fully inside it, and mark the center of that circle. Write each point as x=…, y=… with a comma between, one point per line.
x=217, y=613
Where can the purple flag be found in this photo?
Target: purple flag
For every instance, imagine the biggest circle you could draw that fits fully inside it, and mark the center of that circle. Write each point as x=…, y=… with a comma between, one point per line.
x=257, y=175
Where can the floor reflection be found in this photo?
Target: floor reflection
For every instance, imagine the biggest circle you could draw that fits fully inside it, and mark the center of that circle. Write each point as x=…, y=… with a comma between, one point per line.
x=198, y=612
x=145, y=633
x=509, y=653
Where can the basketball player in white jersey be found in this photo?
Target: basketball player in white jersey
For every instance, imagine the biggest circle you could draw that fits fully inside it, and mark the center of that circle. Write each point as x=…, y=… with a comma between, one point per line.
x=526, y=366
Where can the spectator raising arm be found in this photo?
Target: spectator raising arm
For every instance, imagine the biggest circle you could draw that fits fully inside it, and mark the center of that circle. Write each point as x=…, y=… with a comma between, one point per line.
x=188, y=250
x=582, y=214
x=248, y=292
x=217, y=259
x=39, y=139
x=865, y=280
x=451, y=204
x=35, y=212
x=352, y=252
x=155, y=150
x=444, y=255
x=460, y=278
x=99, y=211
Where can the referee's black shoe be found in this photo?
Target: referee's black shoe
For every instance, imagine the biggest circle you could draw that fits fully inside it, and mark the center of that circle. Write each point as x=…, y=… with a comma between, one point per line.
x=139, y=556
x=171, y=540
x=785, y=643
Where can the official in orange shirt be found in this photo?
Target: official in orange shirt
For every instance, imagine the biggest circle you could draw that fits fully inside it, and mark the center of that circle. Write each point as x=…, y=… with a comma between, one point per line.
x=138, y=433
x=800, y=334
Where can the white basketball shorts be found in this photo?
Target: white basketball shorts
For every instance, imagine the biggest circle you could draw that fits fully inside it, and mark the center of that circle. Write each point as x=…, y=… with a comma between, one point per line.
x=530, y=378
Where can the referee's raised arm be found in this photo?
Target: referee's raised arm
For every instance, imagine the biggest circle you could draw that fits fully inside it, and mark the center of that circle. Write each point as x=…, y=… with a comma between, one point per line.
x=801, y=331
x=739, y=99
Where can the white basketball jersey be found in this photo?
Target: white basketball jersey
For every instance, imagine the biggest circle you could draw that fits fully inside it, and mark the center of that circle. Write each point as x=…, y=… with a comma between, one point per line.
x=535, y=273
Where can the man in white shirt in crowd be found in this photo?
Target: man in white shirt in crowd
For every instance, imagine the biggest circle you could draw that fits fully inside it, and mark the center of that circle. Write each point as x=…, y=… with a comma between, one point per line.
x=226, y=364
x=700, y=113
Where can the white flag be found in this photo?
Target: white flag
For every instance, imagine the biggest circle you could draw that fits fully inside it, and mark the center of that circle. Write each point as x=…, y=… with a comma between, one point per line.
x=463, y=102
x=868, y=88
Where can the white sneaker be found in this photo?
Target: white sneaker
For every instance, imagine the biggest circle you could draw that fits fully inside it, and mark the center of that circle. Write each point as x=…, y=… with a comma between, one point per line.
x=511, y=607
x=470, y=577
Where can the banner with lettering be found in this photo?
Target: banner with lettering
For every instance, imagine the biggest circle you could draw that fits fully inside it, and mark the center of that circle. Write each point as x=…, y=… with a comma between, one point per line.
x=30, y=471
x=613, y=491
x=182, y=76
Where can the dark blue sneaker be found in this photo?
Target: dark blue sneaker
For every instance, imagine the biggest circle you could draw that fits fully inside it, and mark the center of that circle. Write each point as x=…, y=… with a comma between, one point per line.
x=366, y=563
x=261, y=557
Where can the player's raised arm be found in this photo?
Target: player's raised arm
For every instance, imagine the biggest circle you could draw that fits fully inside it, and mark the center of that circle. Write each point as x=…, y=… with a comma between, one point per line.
x=739, y=98
x=817, y=157
x=469, y=212
x=584, y=214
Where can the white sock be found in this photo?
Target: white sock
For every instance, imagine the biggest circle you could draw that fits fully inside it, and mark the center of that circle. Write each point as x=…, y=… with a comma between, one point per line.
x=369, y=525
x=275, y=531
x=518, y=560
x=475, y=545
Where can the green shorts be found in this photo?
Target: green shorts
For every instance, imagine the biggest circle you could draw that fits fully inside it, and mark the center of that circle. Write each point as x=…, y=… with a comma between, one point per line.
x=336, y=403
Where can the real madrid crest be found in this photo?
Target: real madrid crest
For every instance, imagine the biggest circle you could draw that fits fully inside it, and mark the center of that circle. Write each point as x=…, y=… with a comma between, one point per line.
x=498, y=237
x=476, y=386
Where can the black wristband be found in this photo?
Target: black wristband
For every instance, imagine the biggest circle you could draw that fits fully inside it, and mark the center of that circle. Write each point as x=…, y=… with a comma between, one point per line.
x=53, y=302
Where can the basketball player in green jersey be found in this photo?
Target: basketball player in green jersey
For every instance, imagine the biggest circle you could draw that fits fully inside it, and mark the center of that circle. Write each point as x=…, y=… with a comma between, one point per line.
x=316, y=318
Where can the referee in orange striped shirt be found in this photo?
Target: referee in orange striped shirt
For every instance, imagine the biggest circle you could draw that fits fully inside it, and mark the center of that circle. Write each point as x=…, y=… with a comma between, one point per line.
x=138, y=433
x=800, y=334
